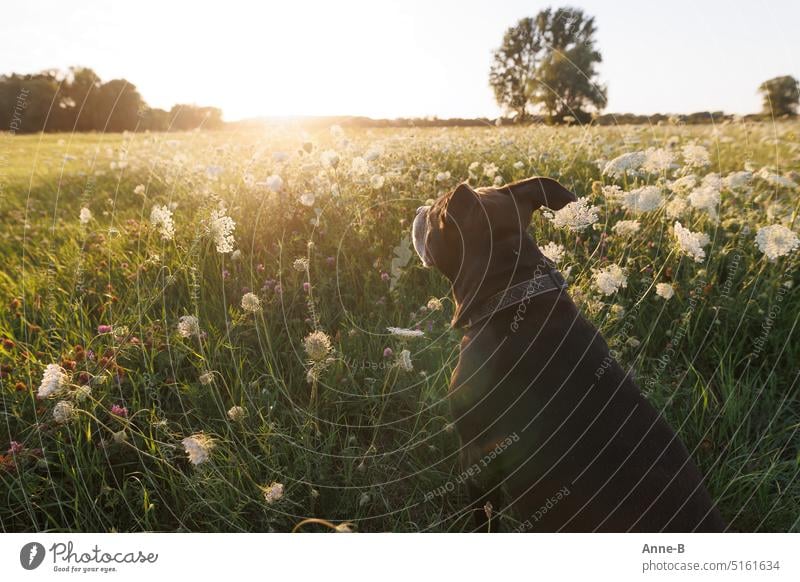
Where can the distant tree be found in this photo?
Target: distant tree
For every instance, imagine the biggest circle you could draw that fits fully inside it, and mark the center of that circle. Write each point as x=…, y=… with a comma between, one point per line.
x=781, y=96
x=548, y=62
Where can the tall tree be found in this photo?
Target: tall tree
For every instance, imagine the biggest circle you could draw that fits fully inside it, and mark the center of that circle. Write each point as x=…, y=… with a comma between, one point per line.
x=781, y=96
x=548, y=63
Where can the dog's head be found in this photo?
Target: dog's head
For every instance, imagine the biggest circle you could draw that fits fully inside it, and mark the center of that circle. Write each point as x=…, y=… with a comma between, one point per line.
x=479, y=238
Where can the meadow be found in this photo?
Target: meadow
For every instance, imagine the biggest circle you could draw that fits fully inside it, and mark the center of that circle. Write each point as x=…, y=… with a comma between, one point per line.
x=194, y=327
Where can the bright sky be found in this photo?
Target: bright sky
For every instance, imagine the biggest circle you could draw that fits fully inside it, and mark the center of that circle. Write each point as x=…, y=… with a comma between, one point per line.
x=391, y=58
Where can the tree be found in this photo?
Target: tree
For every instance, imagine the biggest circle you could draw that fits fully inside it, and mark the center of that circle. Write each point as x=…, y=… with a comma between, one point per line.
x=781, y=96
x=549, y=61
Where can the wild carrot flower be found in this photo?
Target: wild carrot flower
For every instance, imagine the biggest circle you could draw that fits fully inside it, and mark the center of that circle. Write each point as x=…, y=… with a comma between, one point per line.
x=665, y=290
x=644, y=199
x=691, y=243
x=434, y=304
x=657, y=160
x=251, y=303
x=161, y=218
x=237, y=413
x=405, y=333
x=553, y=251
x=609, y=280
x=626, y=227
x=85, y=216
x=221, y=227
x=576, y=215
x=695, y=155
x=404, y=361
x=272, y=492
x=198, y=447
x=626, y=163
x=63, y=412
x=188, y=326
x=317, y=345
x=53, y=381
x=707, y=196
x=776, y=241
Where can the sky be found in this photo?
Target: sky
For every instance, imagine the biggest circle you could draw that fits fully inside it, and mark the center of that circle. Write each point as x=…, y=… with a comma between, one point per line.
x=398, y=58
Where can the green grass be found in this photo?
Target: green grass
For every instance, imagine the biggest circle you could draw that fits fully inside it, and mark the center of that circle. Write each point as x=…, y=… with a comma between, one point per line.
x=374, y=439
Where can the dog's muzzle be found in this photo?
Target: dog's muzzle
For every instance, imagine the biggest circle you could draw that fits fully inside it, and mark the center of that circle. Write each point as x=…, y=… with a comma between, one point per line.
x=419, y=234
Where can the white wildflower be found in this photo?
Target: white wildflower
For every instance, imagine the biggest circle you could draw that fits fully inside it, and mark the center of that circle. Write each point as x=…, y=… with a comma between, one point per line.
x=776, y=241
x=434, y=304
x=251, y=303
x=377, y=181
x=307, y=199
x=300, y=264
x=85, y=216
x=403, y=332
x=198, y=447
x=490, y=170
x=575, y=215
x=237, y=413
x=626, y=227
x=404, y=361
x=658, y=160
x=442, y=176
x=188, y=326
x=683, y=185
x=612, y=192
x=317, y=345
x=695, y=155
x=609, y=280
x=691, y=243
x=206, y=378
x=53, y=381
x=643, y=199
x=676, y=206
x=553, y=251
x=665, y=290
x=776, y=179
x=139, y=190
x=221, y=227
x=63, y=412
x=272, y=492
x=707, y=196
x=738, y=180
x=359, y=166
x=626, y=163
x=161, y=218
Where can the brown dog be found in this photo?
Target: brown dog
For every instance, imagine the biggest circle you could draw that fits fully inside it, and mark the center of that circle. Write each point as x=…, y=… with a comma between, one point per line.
x=551, y=426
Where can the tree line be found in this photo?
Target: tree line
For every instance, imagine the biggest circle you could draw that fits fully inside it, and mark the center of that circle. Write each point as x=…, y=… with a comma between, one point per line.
x=78, y=100
x=544, y=70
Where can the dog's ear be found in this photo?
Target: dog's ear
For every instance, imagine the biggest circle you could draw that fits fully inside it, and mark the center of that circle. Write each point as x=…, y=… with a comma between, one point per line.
x=541, y=192
x=460, y=203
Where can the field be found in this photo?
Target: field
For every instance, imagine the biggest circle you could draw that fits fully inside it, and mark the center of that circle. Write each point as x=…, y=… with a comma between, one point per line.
x=205, y=347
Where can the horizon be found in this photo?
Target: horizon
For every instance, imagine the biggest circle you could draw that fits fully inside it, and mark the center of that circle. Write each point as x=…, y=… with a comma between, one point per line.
x=433, y=61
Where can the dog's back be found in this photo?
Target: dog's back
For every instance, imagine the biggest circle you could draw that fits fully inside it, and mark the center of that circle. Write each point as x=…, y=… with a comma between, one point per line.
x=587, y=452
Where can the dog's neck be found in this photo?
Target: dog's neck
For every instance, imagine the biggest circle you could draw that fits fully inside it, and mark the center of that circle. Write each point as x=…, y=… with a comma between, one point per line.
x=472, y=290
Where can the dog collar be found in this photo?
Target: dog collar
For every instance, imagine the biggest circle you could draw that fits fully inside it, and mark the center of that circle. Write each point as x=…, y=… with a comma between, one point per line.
x=552, y=280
